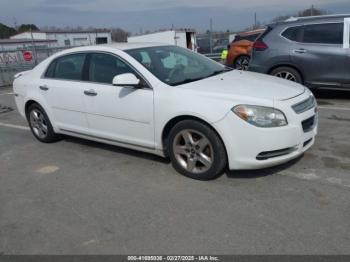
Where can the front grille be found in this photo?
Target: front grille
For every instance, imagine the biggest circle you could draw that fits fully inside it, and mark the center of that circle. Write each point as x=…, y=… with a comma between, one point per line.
x=276, y=153
x=308, y=124
x=305, y=105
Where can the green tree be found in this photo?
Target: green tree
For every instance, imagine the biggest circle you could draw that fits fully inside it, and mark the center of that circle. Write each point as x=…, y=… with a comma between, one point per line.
x=6, y=32
x=27, y=27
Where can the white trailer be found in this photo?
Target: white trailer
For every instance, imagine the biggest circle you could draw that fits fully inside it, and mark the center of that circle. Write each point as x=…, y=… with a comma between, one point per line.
x=184, y=38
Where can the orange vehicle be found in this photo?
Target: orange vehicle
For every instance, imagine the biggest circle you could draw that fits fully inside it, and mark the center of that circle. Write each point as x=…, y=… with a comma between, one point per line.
x=240, y=49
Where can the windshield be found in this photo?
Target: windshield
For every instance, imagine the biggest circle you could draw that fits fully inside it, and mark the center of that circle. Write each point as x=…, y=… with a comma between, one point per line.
x=175, y=65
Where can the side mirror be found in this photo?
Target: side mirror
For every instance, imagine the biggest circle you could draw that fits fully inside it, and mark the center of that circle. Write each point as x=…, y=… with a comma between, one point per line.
x=127, y=79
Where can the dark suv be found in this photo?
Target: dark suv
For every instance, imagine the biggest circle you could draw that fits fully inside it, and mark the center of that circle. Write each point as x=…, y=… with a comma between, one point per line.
x=313, y=51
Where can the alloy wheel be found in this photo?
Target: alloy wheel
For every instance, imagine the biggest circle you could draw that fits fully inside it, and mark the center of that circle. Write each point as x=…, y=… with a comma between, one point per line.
x=286, y=75
x=38, y=123
x=242, y=63
x=193, y=151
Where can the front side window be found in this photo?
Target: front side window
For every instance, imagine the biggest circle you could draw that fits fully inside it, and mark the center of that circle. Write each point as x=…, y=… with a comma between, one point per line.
x=324, y=33
x=104, y=67
x=175, y=65
x=68, y=67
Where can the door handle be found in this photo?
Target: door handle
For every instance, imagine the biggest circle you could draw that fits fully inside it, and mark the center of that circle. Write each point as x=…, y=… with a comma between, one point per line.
x=300, y=51
x=44, y=88
x=90, y=92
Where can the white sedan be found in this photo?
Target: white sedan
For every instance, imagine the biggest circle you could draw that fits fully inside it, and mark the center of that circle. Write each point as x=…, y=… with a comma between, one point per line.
x=168, y=101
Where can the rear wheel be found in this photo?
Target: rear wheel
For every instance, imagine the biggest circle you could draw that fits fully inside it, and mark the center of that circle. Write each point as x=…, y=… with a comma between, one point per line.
x=196, y=151
x=40, y=124
x=242, y=63
x=287, y=73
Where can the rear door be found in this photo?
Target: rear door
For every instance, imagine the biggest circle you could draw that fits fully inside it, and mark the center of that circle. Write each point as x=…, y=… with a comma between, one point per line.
x=320, y=54
x=63, y=88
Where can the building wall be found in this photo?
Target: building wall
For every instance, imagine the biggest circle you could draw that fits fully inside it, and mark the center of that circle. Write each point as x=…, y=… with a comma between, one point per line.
x=27, y=35
x=67, y=39
x=77, y=39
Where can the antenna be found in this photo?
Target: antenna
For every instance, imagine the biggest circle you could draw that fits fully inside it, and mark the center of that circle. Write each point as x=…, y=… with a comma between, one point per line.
x=15, y=22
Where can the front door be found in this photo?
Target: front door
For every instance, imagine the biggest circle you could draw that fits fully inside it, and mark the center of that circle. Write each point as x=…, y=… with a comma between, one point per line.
x=121, y=114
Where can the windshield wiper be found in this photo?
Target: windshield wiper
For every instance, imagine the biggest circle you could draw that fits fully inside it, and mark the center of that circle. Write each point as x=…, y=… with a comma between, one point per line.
x=187, y=80
x=218, y=72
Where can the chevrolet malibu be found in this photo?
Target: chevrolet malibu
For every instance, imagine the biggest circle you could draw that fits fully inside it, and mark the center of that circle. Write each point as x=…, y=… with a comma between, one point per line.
x=171, y=102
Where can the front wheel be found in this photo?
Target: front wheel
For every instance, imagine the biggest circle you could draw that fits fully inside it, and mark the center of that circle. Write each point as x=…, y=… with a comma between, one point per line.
x=196, y=151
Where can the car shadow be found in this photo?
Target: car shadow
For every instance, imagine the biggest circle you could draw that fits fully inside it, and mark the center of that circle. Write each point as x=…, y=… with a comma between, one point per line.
x=115, y=149
x=253, y=174
x=236, y=174
x=331, y=94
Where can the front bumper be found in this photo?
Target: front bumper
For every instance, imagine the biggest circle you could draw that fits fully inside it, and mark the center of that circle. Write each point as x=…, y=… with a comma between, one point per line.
x=250, y=147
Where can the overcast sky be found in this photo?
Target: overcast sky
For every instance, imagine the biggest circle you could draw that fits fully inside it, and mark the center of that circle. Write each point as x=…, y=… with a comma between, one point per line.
x=133, y=15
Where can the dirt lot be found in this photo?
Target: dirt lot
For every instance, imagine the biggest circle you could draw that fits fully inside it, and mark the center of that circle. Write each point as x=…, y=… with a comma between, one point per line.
x=81, y=197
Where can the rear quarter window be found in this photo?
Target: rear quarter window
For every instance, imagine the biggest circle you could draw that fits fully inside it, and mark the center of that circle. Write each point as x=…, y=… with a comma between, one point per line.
x=293, y=33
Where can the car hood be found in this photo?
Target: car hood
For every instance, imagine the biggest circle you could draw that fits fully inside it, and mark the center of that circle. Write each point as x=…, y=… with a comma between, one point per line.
x=248, y=84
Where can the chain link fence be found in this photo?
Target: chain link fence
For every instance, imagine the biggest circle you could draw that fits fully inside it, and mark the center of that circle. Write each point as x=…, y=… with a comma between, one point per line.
x=15, y=61
x=212, y=44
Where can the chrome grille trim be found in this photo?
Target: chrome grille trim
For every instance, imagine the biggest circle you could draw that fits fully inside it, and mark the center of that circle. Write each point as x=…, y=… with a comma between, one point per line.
x=305, y=105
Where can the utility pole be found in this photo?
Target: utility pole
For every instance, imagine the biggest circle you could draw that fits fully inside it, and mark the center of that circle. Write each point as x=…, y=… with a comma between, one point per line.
x=15, y=22
x=255, y=22
x=211, y=35
x=312, y=10
x=33, y=46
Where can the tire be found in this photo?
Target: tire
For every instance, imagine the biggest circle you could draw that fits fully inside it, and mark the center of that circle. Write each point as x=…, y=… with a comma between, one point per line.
x=40, y=124
x=196, y=151
x=242, y=63
x=287, y=73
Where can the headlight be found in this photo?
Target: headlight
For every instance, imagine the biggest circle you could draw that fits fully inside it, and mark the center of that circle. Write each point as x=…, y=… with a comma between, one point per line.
x=261, y=116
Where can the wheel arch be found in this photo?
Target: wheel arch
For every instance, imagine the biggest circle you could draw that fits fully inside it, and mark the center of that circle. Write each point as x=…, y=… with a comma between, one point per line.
x=288, y=65
x=172, y=122
x=28, y=104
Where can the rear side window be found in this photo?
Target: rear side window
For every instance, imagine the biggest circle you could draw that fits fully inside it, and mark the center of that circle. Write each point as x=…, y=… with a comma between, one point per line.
x=250, y=38
x=104, y=67
x=293, y=33
x=324, y=33
x=68, y=67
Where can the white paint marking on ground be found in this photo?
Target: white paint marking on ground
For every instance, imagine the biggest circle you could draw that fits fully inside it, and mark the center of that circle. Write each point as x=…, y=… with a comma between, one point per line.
x=14, y=126
x=307, y=176
x=314, y=177
x=47, y=170
x=5, y=94
x=334, y=108
x=87, y=243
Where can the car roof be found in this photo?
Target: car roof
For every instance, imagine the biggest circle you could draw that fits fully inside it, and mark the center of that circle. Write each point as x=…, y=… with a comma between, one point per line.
x=252, y=32
x=110, y=47
x=312, y=19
